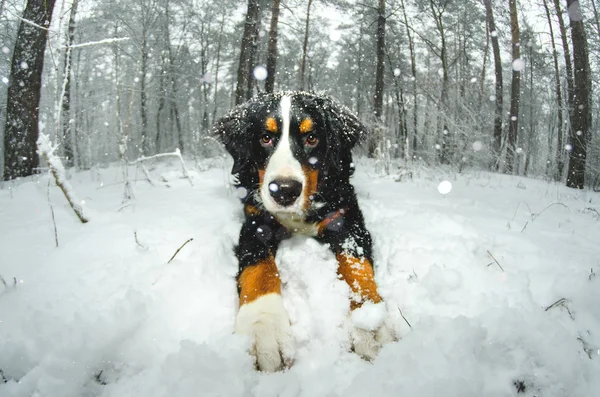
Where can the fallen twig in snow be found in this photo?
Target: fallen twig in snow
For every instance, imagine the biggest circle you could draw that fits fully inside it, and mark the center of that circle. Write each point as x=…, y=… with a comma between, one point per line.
x=404, y=318
x=176, y=153
x=590, y=209
x=3, y=281
x=179, y=249
x=533, y=216
x=140, y=244
x=587, y=348
x=124, y=206
x=497, y=263
x=561, y=302
x=2, y=377
x=46, y=150
x=592, y=274
x=53, y=218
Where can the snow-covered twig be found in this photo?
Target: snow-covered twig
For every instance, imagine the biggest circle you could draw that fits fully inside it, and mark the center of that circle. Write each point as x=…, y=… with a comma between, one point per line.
x=27, y=21
x=179, y=249
x=176, y=153
x=105, y=41
x=46, y=150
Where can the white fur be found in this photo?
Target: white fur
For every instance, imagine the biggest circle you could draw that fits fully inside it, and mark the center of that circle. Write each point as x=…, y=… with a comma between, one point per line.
x=283, y=165
x=295, y=223
x=368, y=342
x=266, y=322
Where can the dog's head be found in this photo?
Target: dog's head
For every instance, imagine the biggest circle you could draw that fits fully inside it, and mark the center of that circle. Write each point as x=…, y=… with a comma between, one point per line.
x=286, y=146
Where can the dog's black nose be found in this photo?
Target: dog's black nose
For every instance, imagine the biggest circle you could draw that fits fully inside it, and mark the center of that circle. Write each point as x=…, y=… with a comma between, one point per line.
x=285, y=191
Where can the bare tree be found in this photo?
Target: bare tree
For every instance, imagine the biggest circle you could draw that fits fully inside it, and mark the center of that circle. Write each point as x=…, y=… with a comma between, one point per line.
x=67, y=127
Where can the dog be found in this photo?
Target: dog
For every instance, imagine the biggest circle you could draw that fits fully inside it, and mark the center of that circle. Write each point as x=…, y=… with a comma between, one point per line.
x=293, y=162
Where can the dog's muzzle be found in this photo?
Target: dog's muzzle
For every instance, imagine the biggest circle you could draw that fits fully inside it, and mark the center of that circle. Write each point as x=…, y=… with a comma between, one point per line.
x=285, y=192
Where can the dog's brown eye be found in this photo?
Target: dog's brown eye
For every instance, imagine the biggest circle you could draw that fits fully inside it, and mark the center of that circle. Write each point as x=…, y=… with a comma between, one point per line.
x=311, y=140
x=266, y=140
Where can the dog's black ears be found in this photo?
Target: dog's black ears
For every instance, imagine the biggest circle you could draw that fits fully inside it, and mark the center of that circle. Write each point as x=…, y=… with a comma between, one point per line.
x=233, y=130
x=345, y=124
x=344, y=131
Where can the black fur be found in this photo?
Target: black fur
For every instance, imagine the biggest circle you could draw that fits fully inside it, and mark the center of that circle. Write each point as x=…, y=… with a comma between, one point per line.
x=339, y=130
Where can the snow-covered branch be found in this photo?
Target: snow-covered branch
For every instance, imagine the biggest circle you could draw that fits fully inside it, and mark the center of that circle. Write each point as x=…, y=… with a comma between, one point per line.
x=99, y=42
x=176, y=153
x=46, y=150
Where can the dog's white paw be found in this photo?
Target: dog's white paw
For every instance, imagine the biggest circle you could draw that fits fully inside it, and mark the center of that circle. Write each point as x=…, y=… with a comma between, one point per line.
x=267, y=324
x=370, y=329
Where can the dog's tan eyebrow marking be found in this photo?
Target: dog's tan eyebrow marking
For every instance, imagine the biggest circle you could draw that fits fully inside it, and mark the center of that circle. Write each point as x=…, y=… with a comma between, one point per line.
x=271, y=124
x=306, y=125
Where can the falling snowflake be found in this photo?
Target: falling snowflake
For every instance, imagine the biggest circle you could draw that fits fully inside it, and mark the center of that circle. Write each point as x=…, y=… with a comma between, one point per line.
x=5, y=50
x=513, y=118
x=260, y=73
x=396, y=72
x=438, y=147
x=579, y=133
x=492, y=98
x=241, y=192
x=24, y=65
x=4, y=80
x=444, y=187
x=568, y=147
x=519, y=150
x=335, y=35
x=313, y=160
x=477, y=146
x=494, y=33
x=474, y=80
x=518, y=64
x=273, y=187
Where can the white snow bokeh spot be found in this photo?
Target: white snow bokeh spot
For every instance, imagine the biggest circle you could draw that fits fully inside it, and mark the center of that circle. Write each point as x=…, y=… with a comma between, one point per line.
x=444, y=187
x=477, y=146
x=518, y=64
x=260, y=73
x=335, y=35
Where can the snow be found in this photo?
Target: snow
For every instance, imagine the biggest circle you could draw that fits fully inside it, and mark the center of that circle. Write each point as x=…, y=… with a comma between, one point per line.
x=472, y=272
x=260, y=73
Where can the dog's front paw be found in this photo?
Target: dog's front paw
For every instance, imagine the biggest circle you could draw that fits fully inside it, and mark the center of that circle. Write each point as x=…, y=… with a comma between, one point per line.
x=370, y=329
x=267, y=324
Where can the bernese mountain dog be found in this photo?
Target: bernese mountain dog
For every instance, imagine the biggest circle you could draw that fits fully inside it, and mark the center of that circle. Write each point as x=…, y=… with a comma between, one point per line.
x=292, y=165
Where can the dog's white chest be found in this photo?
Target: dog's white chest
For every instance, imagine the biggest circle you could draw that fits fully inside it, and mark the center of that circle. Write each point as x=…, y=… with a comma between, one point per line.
x=296, y=224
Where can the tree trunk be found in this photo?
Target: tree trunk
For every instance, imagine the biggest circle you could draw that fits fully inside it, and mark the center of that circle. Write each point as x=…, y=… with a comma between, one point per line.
x=272, y=51
x=559, y=101
x=247, y=51
x=379, y=75
x=582, y=116
x=413, y=70
x=515, y=90
x=23, y=98
x=218, y=61
x=67, y=127
x=567, y=56
x=380, y=69
x=145, y=143
x=497, y=137
x=305, y=46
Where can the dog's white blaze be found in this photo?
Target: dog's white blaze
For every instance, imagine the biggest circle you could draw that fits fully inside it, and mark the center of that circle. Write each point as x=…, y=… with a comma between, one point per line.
x=282, y=164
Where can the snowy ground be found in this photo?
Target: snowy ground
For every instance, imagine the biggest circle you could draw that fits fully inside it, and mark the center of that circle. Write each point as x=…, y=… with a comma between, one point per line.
x=102, y=315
